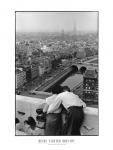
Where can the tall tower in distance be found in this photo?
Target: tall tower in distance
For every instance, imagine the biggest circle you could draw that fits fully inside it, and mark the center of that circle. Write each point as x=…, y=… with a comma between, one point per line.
x=62, y=32
x=74, y=28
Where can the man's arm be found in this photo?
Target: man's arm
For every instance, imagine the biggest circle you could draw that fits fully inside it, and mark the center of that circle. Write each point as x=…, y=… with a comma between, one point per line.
x=82, y=103
x=46, y=106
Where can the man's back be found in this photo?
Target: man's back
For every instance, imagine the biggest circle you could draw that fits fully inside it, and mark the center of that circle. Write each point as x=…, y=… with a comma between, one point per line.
x=70, y=99
x=67, y=99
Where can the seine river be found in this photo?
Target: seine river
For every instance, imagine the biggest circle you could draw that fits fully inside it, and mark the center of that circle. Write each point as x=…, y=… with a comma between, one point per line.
x=73, y=80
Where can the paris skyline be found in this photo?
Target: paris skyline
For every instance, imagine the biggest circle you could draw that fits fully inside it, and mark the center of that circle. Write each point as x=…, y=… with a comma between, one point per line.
x=56, y=21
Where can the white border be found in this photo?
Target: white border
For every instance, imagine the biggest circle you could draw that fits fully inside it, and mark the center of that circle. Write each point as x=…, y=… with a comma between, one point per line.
x=7, y=75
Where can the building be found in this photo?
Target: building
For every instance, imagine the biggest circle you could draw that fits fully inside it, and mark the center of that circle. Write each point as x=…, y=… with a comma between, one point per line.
x=20, y=77
x=34, y=71
x=90, y=85
x=81, y=53
x=28, y=73
x=44, y=65
x=41, y=70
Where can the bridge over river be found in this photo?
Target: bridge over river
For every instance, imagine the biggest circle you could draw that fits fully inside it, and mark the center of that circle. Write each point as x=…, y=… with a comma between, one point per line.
x=61, y=76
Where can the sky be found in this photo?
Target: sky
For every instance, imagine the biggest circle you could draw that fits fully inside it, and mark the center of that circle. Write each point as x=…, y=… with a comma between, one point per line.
x=56, y=21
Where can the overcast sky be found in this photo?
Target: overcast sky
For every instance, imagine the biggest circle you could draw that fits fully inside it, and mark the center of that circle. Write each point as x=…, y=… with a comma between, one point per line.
x=56, y=21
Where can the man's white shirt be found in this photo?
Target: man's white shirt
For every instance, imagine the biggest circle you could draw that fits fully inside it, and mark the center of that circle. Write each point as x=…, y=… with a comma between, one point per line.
x=66, y=98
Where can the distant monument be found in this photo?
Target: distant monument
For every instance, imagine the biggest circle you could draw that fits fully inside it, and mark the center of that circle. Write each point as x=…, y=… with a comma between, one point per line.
x=74, y=29
x=62, y=32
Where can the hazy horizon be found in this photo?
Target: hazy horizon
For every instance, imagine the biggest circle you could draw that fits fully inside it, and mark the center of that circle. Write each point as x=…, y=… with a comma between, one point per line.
x=56, y=21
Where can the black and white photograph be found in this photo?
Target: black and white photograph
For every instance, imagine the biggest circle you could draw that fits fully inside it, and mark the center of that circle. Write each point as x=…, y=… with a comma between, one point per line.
x=56, y=73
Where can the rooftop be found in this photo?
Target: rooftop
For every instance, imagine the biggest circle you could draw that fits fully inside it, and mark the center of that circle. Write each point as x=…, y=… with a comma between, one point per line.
x=90, y=73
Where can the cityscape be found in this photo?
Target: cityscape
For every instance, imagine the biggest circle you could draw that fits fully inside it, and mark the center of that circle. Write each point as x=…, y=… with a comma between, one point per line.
x=46, y=61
